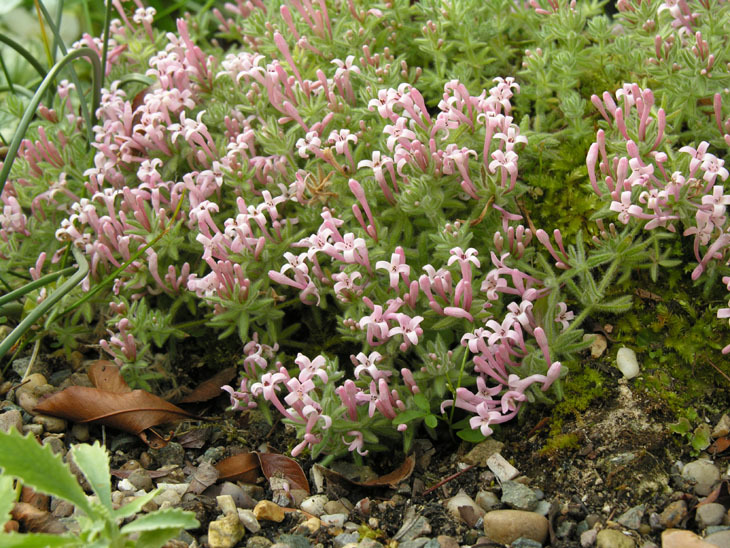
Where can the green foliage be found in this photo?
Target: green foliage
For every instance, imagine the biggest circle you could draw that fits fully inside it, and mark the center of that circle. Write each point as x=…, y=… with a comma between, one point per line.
x=37, y=466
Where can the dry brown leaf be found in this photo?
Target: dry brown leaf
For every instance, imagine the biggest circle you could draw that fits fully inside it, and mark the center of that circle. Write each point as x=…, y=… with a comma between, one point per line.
x=106, y=375
x=275, y=465
x=242, y=467
x=36, y=520
x=719, y=445
x=392, y=479
x=203, y=477
x=132, y=412
x=211, y=388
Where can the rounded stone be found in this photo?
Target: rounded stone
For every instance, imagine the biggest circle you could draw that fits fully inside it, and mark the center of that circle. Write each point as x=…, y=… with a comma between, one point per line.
x=80, y=432
x=314, y=505
x=31, y=382
x=610, y=538
x=9, y=419
x=54, y=425
x=679, y=538
x=506, y=526
x=710, y=514
x=703, y=473
x=240, y=497
x=487, y=500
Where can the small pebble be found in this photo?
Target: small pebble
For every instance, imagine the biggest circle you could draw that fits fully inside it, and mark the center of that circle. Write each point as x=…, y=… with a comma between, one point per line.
x=588, y=538
x=462, y=499
x=710, y=514
x=333, y=520
x=314, y=505
x=673, y=514
x=226, y=504
x=248, y=519
x=268, y=511
x=258, y=542
x=722, y=428
x=506, y=526
x=240, y=497
x=679, y=538
x=80, y=432
x=610, y=538
x=9, y=419
x=518, y=496
x=627, y=363
x=703, y=473
x=481, y=452
x=225, y=532
x=336, y=507
x=501, y=468
x=487, y=500
x=631, y=519
x=54, y=425
x=720, y=539
x=308, y=527
x=140, y=479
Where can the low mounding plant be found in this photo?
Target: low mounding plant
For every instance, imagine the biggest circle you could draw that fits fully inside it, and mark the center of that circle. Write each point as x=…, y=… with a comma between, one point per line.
x=36, y=466
x=400, y=213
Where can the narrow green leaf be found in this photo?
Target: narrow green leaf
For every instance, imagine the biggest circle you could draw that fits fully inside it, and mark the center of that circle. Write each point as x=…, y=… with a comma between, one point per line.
x=162, y=519
x=7, y=499
x=135, y=506
x=37, y=466
x=36, y=540
x=93, y=462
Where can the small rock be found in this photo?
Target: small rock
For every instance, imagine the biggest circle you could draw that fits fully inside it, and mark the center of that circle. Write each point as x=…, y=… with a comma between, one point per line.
x=140, y=479
x=11, y=418
x=710, y=514
x=722, y=428
x=720, y=539
x=258, y=542
x=54, y=425
x=27, y=400
x=314, y=505
x=632, y=517
x=32, y=382
x=446, y=541
x=588, y=538
x=172, y=453
x=248, y=520
x=333, y=520
x=501, y=468
x=487, y=500
x=308, y=527
x=57, y=445
x=679, y=538
x=226, y=504
x=673, y=514
x=627, y=363
x=63, y=509
x=369, y=543
x=171, y=493
x=240, y=497
x=345, y=538
x=293, y=541
x=225, y=532
x=413, y=526
x=336, y=507
x=598, y=344
x=459, y=500
x=80, y=432
x=526, y=543
x=419, y=543
x=506, y=526
x=482, y=451
x=703, y=473
x=610, y=538
x=518, y=496
x=268, y=511
x=565, y=529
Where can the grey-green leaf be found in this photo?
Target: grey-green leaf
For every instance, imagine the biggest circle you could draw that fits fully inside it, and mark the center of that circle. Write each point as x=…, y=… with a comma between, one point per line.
x=93, y=462
x=162, y=519
x=24, y=458
x=135, y=506
x=33, y=540
x=7, y=499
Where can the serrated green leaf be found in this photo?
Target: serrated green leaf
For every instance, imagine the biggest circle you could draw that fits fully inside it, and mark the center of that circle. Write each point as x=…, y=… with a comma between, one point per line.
x=36, y=540
x=93, y=462
x=135, y=506
x=7, y=498
x=37, y=466
x=472, y=436
x=157, y=538
x=162, y=519
x=421, y=401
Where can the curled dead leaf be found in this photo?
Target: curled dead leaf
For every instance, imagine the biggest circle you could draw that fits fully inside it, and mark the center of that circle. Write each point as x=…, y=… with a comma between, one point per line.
x=211, y=388
x=248, y=467
x=392, y=479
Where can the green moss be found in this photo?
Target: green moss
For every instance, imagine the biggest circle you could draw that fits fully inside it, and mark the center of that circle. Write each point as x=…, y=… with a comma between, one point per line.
x=561, y=442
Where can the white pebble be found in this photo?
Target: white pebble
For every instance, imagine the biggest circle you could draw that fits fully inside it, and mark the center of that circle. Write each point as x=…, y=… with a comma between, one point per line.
x=627, y=363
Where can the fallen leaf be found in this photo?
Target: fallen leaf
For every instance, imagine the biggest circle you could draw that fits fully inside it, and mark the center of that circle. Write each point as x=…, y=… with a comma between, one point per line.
x=719, y=445
x=392, y=479
x=275, y=465
x=132, y=412
x=106, y=375
x=203, y=477
x=248, y=467
x=36, y=520
x=194, y=439
x=242, y=467
x=211, y=388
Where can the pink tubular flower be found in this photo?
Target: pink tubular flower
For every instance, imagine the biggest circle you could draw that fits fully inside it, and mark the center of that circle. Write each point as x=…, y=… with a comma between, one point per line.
x=408, y=327
x=310, y=369
x=395, y=268
x=357, y=444
x=564, y=316
x=486, y=416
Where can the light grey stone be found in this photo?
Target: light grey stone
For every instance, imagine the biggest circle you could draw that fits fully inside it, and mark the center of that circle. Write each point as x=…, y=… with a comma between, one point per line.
x=703, y=473
x=518, y=496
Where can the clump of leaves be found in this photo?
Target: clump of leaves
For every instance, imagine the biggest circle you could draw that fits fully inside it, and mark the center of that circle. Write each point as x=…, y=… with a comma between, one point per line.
x=25, y=459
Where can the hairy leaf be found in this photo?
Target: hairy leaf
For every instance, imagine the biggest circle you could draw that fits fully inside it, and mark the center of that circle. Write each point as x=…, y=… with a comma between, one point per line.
x=93, y=461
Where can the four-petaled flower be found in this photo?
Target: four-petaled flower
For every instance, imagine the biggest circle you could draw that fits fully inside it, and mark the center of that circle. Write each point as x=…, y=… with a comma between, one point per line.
x=395, y=268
